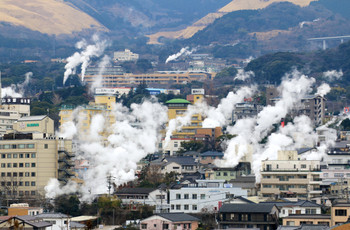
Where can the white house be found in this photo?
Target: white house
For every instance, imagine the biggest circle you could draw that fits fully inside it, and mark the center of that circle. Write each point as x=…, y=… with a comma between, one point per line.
x=59, y=221
x=203, y=196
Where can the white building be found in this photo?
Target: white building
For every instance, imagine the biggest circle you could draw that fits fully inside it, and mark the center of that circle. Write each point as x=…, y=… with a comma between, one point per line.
x=59, y=221
x=203, y=196
x=126, y=55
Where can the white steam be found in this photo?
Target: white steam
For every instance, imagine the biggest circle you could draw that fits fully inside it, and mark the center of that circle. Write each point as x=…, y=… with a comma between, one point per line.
x=184, y=51
x=83, y=58
x=18, y=90
x=333, y=75
x=116, y=153
x=243, y=75
x=323, y=89
x=106, y=61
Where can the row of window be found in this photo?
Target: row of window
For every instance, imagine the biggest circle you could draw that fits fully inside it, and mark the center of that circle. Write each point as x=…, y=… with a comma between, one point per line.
x=337, y=175
x=18, y=165
x=225, y=174
x=186, y=207
x=187, y=196
x=17, y=155
x=166, y=226
x=283, y=187
x=17, y=146
x=20, y=193
x=18, y=183
x=18, y=174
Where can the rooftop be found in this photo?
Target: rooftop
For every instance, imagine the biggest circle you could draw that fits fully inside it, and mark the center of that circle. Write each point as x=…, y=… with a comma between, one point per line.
x=247, y=208
x=177, y=217
x=135, y=191
x=32, y=118
x=178, y=101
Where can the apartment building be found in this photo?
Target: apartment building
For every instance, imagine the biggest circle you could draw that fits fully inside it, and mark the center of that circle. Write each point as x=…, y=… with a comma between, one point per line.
x=30, y=156
x=288, y=176
x=103, y=104
x=11, y=109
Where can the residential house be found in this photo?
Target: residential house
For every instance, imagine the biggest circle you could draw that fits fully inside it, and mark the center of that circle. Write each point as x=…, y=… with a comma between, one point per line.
x=25, y=222
x=246, y=182
x=300, y=207
x=163, y=221
x=210, y=157
x=141, y=196
x=340, y=213
x=261, y=216
x=179, y=165
x=59, y=221
x=23, y=209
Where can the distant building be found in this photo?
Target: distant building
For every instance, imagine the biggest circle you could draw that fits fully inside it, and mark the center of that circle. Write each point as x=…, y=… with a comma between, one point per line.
x=245, y=110
x=312, y=106
x=22, y=209
x=307, y=219
x=125, y=55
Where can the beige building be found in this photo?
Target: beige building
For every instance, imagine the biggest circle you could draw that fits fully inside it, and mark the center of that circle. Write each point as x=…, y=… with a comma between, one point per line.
x=288, y=176
x=30, y=156
x=340, y=213
x=11, y=109
x=154, y=79
x=125, y=55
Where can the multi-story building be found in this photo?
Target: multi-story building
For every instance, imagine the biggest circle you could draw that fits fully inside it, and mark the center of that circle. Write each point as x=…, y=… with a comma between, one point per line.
x=125, y=55
x=312, y=106
x=152, y=80
x=31, y=156
x=103, y=105
x=202, y=196
x=244, y=110
x=288, y=176
x=340, y=213
x=11, y=109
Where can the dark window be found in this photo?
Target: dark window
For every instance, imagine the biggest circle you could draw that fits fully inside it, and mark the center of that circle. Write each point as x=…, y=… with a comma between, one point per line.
x=340, y=212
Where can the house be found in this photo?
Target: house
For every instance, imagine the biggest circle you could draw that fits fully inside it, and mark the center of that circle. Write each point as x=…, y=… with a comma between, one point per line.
x=299, y=207
x=24, y=222
x=340, y=213
x=179, y=165
x=141, y=196
x=302, y=219
x=58, y=221
x=22, y=209
x=163, y=221
x=202, y=196
x=261, y=216
x=210, y=156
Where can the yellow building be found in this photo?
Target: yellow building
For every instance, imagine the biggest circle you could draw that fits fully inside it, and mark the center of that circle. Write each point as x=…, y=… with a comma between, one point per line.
x=30, y=156
x=103, y=104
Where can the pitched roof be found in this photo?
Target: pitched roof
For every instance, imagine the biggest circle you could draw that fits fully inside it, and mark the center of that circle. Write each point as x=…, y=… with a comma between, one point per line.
x=300, y=203
x=181, y=160
x=52, y=215
x=134, y=191
x=212, y=153
x=247, y=208
x=177, y=217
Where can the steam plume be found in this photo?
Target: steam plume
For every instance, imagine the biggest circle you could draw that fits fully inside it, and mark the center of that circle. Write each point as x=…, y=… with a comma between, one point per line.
x=332, y=75
x=84, y=57
x=183, y=51
x=17, y=90
x=242, y=75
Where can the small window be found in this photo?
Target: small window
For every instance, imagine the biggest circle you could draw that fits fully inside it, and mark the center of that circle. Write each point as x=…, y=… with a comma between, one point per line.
x=32, y=183
x=33, y=155
x=26, y=183
x=144, y=226
x=46, y=146
x=194, y=207
x=15, y=165
x=3, y=165
x=27, y=165
x=202, y=196
x=21, y=165
x=33, y=165
x=21, y=155
x=15, y=155
x=21, y=174
x=33, y=174
x=9, y=155
x=178, y=207
x=194, y=196
x=303, y=166
x=9, y=165
x=27, y=155
x=178, y=196
x=186, y=196
x=27, y=174
x=186, y=206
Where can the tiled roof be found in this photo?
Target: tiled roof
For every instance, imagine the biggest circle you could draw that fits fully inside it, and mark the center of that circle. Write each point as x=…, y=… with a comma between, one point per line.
x=308, y=216
x=181, y=160
x=135, y=191
x=52, y=215
x=212, y=153
x=247, y=208
x=300, y=203
x=177, y=217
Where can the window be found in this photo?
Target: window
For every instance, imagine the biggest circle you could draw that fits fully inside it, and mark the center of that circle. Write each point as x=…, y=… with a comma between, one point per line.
x=340, y=212
x=26, y=174
x=178, y=207
x=46, y=146
x=290, y=223
x=32, y=193
x=303, y=166
x=267, y=186
x=225, y=173
x=21, y=174
x=32, y=183
x=27, y=155
x=3, y=165
x=3, y=155
x=9, y=174
x=202, y=196
x=15, y=155
x=218, y=174
x=33, y=155
x=27, y=165
x=186, y=196
x=21, y=146
x=172, y=207
x=178, y=196
x=33, y=165
x=21, y=165
x=9, y=165
x=194, y=207
x=26, y=183
x=30, y=146
x=9, y=155
x=15, y=165
x=15, y=174
x=165, y=226
x=194, y=196
x=144, y=226
x=6, y=146
x=186, y=206
x=21, y=155
x=310, y=211
x=338, y=174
